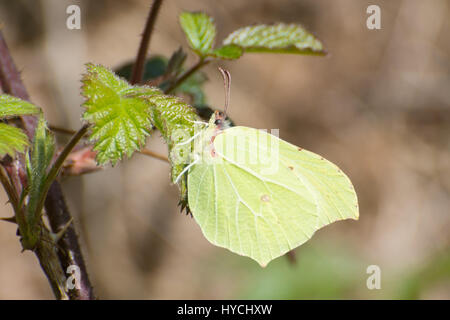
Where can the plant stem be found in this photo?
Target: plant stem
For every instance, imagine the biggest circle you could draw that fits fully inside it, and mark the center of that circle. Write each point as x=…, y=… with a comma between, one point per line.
x=12, y=84
x=152, y=154
x=202, y=62
x=55, y=204
x=63, y=155
x=70, y=252
x=12, y=196
x=61, y=130
x=138, y=68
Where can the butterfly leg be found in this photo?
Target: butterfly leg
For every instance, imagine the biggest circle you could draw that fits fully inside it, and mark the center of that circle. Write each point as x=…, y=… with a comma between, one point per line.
x=189, y=140
x=196, y=122
x=187, y=168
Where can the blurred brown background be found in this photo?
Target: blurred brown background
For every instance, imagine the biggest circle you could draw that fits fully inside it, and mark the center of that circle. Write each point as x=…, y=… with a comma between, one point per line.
x=378, y=106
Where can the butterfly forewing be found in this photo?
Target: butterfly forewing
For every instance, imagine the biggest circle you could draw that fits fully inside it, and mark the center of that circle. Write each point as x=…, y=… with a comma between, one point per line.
x=332, y=190
x=335, y=194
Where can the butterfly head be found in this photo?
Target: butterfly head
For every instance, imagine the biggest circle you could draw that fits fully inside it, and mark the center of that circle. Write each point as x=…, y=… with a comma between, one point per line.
x=219, y=120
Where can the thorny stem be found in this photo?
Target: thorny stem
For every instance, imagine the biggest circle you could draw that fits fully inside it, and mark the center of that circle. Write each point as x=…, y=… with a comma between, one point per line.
x=12, y=196
x=12, y=84
x=202, y=62
x=54, y=264
x=138, y=68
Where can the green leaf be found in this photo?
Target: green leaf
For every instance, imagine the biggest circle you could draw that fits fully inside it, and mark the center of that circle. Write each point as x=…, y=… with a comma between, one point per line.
x=12, y=140
x=159, y=67
x=200, y=31
x=192, y=86
x=228, y=52
x=175, y=120
x=123, y=115
x=278, y=38
x=121, y=121
x=175, y=64
x=11, y=107
x=38, y=161
x=154, y=67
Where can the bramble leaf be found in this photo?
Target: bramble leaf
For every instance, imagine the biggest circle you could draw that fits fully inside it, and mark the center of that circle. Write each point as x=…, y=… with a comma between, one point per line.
x=175, y=63
x=12, y=140
x=278, y=38
x=160, y=70
x=11, y=107
x=123, y=115
x=38, y=162
x=175, y=121
x=121, y=121
x=200, y=31
x=228, y=52
x=154, y=67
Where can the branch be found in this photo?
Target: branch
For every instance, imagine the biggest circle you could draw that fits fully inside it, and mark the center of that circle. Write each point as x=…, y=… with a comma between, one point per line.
x=138, y=68
x=70, y=253
x=202, y=62
x=12, y=84
x=55, y=205
x=152, y=154
x=12, y=196
x=61, y=130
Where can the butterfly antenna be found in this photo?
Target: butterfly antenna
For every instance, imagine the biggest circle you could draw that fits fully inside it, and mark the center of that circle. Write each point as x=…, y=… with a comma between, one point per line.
x=227, y=85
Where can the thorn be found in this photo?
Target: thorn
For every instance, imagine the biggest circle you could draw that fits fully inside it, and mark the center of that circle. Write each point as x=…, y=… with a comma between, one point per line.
x=57, y=236
x=10, y=219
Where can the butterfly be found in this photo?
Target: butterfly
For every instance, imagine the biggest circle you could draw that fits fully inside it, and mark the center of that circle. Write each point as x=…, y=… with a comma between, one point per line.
x=258, y=195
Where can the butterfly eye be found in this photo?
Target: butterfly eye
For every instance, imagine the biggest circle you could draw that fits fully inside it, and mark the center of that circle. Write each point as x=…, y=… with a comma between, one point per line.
x=218, y=121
